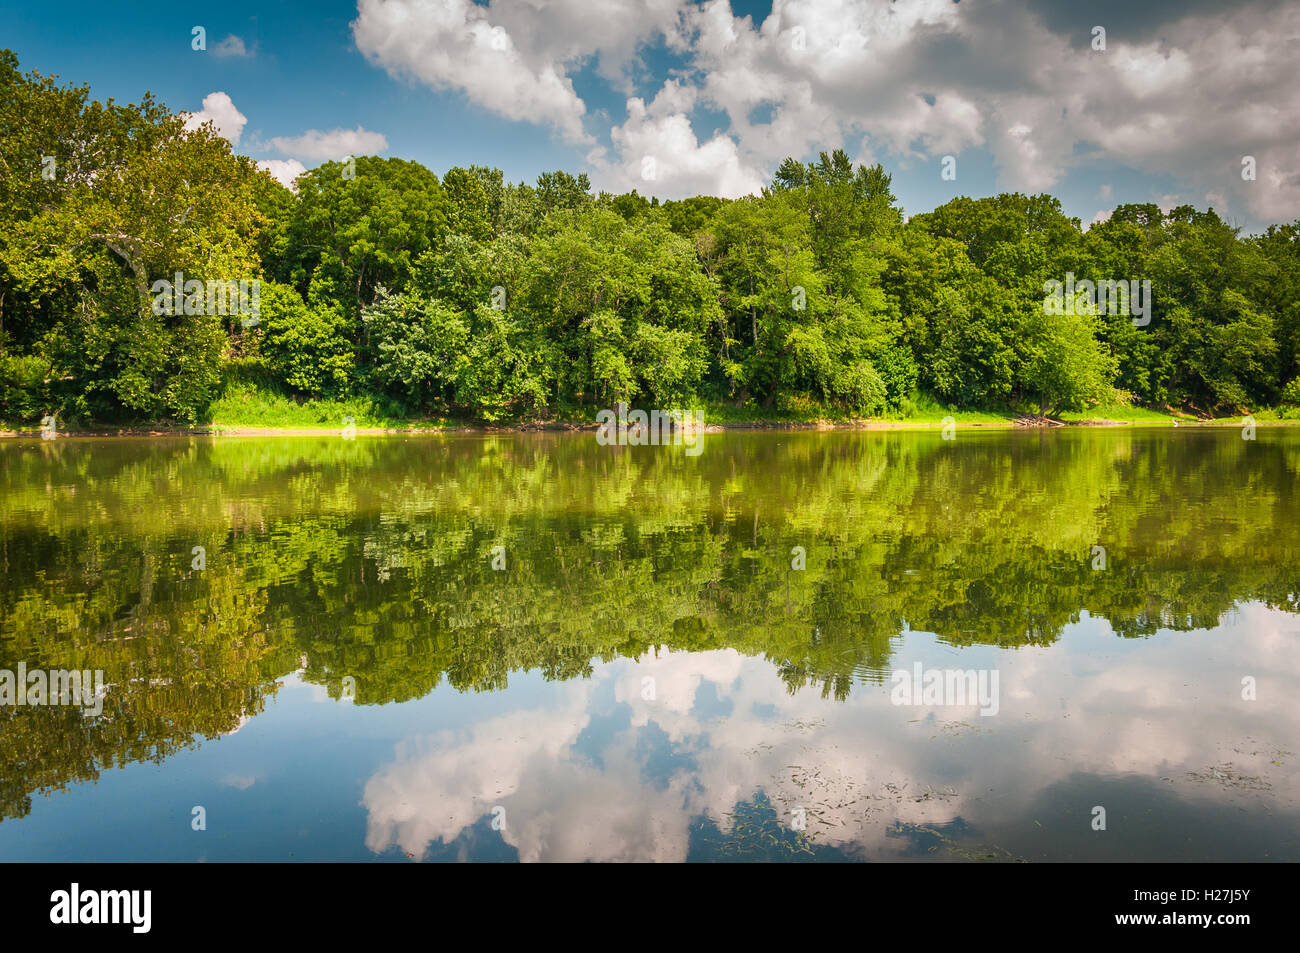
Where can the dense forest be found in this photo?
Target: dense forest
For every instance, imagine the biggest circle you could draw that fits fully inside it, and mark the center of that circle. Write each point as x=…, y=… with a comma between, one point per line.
x=470, y=297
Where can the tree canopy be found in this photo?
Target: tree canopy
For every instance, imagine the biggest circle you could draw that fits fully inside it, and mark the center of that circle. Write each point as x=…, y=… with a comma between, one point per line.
x=471, y=296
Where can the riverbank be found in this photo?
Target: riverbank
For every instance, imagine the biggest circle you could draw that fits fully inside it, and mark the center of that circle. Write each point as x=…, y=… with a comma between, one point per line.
x=247, y=409
x=964, y=420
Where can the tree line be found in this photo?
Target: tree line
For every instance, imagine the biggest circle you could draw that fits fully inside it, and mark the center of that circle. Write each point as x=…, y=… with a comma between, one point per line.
x=468, y=296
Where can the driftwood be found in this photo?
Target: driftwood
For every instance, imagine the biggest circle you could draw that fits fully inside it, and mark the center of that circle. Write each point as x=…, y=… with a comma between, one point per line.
x=1037, y=420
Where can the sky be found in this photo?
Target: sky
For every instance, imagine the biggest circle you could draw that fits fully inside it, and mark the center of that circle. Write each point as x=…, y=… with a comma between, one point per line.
x=1099, y=102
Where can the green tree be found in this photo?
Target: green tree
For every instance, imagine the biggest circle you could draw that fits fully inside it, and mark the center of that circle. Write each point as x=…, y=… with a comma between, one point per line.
x=307, y=342
x=419, y=346
x=133, y=198
x=364, y=228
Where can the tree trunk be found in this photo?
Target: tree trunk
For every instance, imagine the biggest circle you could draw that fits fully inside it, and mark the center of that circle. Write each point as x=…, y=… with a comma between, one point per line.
x=137, y=269
x=753, y=313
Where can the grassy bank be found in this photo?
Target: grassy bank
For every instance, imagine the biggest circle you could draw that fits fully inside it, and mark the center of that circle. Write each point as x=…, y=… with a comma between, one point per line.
x=245, y=407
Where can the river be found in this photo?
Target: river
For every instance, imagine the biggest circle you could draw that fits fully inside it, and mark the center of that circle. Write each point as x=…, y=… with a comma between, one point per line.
x=533, y=647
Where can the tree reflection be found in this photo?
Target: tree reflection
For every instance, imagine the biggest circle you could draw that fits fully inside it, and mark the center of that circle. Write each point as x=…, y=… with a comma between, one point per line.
x=372, y=560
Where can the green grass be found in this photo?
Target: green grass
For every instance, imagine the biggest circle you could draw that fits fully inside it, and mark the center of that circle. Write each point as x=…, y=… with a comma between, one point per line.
x=1283, y=414
x=920, y=411
x=1125, y=412
x=921, y=408
x=245, y=405
x=1143, y=415
x=789, y=410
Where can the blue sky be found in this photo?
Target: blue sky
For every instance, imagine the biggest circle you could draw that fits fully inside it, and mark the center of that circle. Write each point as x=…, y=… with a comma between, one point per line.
x=715, y=94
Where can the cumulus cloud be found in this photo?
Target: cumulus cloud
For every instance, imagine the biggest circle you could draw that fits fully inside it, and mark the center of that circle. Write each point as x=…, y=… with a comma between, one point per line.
x=456, y=44
x=334, y=144
x=1182, y=90
x=221, y=112
x=927, y=78
x=658, y=152
x=284, y=171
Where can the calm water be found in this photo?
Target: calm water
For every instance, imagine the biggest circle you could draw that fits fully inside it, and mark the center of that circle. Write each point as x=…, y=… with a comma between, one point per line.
x=348, y=677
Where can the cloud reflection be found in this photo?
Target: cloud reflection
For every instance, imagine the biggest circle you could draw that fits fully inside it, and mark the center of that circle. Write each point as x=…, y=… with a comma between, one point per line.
x=602, y=773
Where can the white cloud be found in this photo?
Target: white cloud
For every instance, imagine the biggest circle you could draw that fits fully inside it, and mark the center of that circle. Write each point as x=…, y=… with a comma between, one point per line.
x=920, y=80
x=1029, y=146
x=335, y=144
x=221, y=112
x=525, y=73
x=1103, y=215
x=862, y=766
x=456, y=44
x=283, y=171
x=830, y=71
x=231, y=46
x=930, y=78
x=658, y=153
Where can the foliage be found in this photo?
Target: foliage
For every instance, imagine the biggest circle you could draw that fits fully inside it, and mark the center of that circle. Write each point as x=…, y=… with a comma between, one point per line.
x=306, y=343
x=475, y=297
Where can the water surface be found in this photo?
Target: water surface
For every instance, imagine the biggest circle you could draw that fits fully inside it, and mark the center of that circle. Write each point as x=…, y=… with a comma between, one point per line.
x=348, y=677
